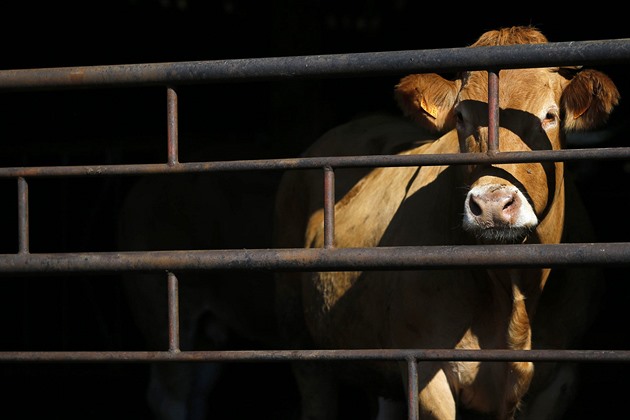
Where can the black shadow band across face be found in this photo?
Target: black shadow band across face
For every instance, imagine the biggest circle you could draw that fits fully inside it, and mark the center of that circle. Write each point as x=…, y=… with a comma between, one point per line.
x=525, y=126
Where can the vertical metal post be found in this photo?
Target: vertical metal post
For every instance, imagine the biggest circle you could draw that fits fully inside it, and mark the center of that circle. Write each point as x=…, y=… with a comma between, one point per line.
x=23, y=224
x=173, y=127
x=173, y=313
x=412, y=386
x=173, y=159
x=23, y=248
x=493, y=111
x=329, y=207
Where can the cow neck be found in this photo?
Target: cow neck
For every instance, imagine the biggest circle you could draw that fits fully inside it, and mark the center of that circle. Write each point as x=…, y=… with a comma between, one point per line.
x=520, y=289
x=551, y=226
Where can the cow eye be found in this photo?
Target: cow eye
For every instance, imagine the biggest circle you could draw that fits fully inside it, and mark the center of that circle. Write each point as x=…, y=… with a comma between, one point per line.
x=550, y=120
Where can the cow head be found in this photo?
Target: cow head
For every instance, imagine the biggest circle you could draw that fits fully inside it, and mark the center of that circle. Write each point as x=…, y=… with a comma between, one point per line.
x=509, y=203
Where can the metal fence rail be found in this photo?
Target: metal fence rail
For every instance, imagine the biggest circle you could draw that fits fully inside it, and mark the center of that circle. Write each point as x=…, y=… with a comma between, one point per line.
x=616, y=153
x=333, y=65
x=321, y=259
x=609, y=356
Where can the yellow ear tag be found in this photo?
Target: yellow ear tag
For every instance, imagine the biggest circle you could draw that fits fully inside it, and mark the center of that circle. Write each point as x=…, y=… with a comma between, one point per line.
x=432, y=110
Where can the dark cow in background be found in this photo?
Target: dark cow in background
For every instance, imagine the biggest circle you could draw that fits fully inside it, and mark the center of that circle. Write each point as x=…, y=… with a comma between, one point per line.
x=510, y=308
x=217, y=310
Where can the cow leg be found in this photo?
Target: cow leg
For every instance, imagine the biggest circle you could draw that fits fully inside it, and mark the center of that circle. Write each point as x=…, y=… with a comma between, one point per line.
x=163, y=402
x=205, y=377
x=318, y=391
x=178, y=391
x=315, y=382
x=391, y=409
x=435, y=399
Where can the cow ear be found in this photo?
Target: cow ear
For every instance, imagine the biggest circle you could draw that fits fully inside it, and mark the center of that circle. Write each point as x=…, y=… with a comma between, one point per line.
x=588, y=100
x=428, y=99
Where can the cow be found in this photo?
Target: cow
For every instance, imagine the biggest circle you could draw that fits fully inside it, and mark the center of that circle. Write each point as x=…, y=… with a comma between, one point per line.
x=506, y=204
x=217, y=310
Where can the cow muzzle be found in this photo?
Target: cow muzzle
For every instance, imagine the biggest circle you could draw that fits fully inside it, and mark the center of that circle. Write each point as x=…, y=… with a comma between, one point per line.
x=498, y=213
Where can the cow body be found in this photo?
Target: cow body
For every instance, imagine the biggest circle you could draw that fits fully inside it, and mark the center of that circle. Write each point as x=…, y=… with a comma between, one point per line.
x=447, y=205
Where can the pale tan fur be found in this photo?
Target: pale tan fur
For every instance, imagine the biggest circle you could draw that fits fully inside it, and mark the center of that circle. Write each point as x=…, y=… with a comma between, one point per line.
x=466, y=309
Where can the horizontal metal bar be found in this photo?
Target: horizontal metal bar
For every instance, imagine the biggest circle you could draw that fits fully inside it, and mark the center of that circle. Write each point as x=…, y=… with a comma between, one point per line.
x=610, y=153
x=334, y=65
x=318, y=355
x=323, y=259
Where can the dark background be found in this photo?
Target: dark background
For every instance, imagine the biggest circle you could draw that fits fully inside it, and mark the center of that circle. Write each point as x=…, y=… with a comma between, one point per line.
x=233, y=121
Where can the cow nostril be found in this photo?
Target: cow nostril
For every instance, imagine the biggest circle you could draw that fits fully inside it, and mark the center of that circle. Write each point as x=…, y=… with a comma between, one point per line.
x=508, y=204
x=475, y=209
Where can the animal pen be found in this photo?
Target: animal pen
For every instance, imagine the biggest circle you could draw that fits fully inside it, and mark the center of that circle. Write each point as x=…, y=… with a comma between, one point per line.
x=31, y=266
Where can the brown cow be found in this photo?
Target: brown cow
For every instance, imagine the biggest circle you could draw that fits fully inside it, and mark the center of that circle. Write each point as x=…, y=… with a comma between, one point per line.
x=448, y=205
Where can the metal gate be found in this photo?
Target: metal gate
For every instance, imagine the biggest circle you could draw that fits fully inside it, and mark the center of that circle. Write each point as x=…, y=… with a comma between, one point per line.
x=171, y=77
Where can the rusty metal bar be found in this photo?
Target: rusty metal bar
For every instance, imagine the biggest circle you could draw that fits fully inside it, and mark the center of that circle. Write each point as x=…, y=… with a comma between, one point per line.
x=329, y=207
x=334, y=65
x=412, y=389
x=23, y=217
x=173, y=312
x=322, y=259
x=611, y=153
x=173, y=126
x=493, y=111
x=608, y=356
